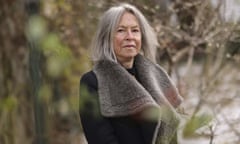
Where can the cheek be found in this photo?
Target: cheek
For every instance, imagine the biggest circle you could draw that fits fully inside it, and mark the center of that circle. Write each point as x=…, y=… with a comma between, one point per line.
x=139, y=43
x=117, y=43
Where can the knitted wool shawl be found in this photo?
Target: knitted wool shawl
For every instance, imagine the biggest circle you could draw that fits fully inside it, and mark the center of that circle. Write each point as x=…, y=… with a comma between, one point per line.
x=120, y=94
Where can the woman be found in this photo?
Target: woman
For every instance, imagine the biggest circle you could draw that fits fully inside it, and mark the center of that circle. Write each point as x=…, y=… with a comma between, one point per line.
x=127, y=98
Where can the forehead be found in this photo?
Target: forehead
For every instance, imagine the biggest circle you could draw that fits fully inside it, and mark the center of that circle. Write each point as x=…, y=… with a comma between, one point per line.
x=128, y=19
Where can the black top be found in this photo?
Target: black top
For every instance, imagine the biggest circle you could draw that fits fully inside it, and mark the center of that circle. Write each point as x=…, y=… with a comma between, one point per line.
x=102, y=130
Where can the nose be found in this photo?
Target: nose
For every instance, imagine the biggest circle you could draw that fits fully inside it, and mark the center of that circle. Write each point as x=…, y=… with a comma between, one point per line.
x=129, y=35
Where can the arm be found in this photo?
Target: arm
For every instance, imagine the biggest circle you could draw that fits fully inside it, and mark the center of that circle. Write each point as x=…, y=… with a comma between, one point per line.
x=97, y=129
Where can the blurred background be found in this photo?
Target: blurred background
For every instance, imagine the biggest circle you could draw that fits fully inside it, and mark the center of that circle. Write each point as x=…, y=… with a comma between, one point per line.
x=44, y=50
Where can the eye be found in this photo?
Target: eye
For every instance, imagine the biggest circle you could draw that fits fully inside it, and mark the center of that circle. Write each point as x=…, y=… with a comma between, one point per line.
x=135, y=30
x=120, y=30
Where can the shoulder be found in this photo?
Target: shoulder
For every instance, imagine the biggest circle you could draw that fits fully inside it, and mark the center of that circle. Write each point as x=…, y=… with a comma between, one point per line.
x=89, y=79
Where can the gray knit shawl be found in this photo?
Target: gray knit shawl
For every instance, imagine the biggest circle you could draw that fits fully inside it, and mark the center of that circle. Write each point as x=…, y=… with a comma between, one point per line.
x=120, y=94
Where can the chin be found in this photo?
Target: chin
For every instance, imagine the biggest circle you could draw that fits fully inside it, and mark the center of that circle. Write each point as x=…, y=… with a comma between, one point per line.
x=130, y=55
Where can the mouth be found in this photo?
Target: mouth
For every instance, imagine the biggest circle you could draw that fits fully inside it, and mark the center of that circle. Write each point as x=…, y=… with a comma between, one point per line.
x=129, y=46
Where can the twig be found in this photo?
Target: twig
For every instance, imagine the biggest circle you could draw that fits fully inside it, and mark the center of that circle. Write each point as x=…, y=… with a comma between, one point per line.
x=211, y=134
x=232, y=127
x=190, y=59
x=180, y=54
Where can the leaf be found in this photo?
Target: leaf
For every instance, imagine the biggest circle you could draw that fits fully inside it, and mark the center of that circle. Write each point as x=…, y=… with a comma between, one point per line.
x=8, y=104
x=36, y=28
x=195, y=123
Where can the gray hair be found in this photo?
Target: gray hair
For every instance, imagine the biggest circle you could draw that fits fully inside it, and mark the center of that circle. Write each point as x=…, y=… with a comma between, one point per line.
x=102, y=45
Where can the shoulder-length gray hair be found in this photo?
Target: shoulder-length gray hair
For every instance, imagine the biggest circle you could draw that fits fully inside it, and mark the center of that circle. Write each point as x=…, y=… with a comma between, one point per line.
x=102, y=45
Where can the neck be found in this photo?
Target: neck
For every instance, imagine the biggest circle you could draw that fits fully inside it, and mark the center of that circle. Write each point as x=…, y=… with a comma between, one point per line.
x=126, y=63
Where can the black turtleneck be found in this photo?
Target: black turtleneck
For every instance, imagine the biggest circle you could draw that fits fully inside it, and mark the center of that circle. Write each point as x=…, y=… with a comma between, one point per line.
x=132, y=71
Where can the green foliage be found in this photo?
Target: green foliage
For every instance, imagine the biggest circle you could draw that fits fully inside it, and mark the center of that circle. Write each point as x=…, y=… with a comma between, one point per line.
x=8, y=104
x=151, y=114
x=195, y=123
x=8, y=107
x=45, y=94
x=88, y=102
x=36, y=28
x=57, y=54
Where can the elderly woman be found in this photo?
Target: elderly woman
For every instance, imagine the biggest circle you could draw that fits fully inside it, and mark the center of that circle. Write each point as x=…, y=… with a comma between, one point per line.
x=127, y=98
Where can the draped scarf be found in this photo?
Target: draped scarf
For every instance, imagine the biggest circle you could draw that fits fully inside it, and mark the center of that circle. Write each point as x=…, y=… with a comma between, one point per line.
x=120, y=94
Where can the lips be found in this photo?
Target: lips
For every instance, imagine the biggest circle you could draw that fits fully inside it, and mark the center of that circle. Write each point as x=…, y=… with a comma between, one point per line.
x=129, y=46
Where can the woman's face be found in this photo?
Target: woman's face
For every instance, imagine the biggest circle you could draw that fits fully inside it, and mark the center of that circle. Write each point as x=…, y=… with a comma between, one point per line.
x=127, y=38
